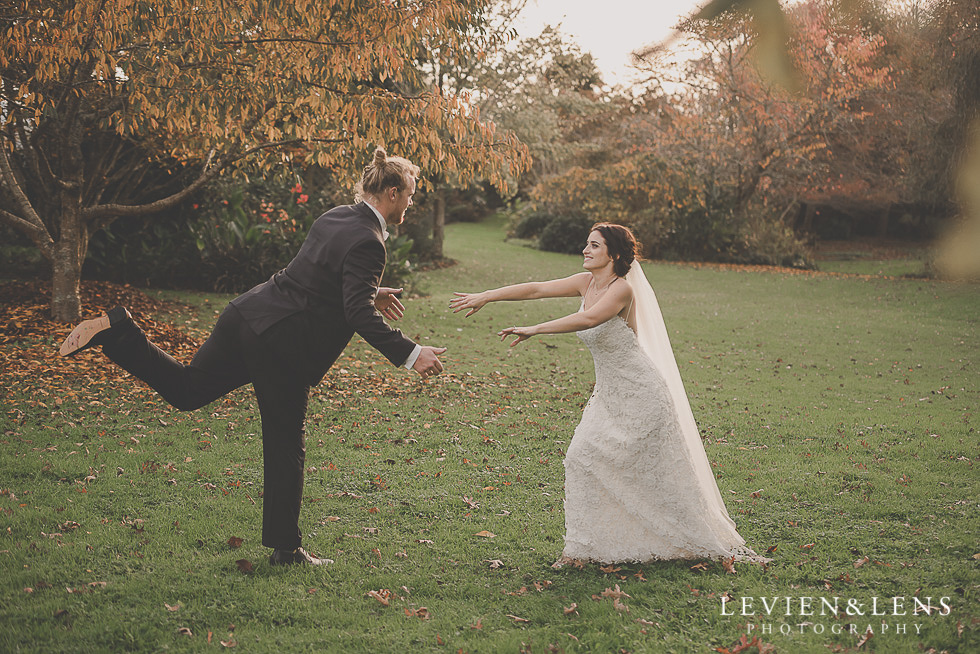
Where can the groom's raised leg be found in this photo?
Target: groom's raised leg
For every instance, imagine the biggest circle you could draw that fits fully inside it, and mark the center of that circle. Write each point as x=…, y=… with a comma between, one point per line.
x=216, y=369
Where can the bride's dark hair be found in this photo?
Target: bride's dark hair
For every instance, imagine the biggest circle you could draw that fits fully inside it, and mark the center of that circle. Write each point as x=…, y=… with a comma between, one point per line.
x=621, y=244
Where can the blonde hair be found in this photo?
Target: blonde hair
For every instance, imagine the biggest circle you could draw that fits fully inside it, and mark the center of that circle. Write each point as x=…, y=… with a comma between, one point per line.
x=384, y=172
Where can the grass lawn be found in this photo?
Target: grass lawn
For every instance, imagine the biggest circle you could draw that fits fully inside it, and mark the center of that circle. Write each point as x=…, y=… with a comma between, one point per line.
x=840, y=414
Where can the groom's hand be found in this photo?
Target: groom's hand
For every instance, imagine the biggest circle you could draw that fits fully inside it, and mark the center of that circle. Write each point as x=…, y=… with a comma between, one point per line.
x=388, y=304
x=428, y=363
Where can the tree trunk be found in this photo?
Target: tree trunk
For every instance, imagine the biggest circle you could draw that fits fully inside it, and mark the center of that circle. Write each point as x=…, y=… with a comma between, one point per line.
x=68, y=255
x=883, y=221
x=438, y=224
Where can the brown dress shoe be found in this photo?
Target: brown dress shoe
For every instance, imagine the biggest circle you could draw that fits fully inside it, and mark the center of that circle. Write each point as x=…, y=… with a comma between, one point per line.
x=298, y=555
x=91, y=332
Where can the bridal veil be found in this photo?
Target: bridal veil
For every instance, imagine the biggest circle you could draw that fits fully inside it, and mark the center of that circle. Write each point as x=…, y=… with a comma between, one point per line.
x=655, y=343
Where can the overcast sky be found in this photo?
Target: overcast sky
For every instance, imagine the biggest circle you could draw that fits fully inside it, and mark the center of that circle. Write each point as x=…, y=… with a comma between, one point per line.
x=609, y=29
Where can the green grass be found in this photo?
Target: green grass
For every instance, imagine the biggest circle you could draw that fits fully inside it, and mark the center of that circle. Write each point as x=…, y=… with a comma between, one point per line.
x=840, y=414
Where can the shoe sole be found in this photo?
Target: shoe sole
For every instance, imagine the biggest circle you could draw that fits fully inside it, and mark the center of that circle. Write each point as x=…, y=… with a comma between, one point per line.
x=82, y=335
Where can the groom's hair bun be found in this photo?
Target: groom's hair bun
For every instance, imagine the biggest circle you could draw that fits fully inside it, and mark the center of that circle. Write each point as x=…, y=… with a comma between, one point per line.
x=621, y=244
x=384, y=172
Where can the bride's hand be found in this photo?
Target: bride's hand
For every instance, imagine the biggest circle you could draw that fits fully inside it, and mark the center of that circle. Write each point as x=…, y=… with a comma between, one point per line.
x=522, y=334
x=472, y=301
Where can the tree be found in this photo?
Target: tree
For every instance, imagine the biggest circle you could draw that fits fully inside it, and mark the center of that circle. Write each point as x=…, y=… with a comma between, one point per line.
x=94, y=91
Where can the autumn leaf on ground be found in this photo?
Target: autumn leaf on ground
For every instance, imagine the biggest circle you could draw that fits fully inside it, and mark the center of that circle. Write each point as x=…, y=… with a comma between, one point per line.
x=175, y=607
x=609, y=569
x=495, y=564
x=184, y=631
x=729, y=565
x=868, y=635
x=98, y=584
x=382, y=595
x=619, y=606
x=235, y=542
x=421, y=613
x=485, y=534
x=478, y=625
x=244, y=565
x=470, y=503
x=517, y=619
x=860, y=562
x=743, y=644
x=569, y=610
x=231, y=642
x=615, y=594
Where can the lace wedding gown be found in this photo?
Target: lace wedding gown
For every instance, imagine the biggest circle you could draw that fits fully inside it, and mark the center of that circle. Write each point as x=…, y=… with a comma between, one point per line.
x=632, y=489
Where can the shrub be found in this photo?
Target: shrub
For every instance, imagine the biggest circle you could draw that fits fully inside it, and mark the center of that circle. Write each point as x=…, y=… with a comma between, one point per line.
x=566, y=234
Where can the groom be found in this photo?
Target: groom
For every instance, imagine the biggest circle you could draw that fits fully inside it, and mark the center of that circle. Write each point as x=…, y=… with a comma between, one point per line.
x=283, y=335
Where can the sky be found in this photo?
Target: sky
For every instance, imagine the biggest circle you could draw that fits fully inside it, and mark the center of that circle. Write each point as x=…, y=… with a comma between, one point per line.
x=609, y=29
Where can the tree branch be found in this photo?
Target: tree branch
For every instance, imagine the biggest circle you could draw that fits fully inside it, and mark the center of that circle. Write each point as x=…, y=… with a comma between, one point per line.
x=100, y=216
x=10, y=181
x=37, y=234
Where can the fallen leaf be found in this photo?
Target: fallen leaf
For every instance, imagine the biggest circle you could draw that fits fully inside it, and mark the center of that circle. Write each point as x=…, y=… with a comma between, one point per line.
x=619, y=606
x=184, y=631
x=382, y=595
x=729, y=565
x=615, y=594
x=609, y=569
x=647, y=622
x=229, y=643
x=485, y=534
x=860, y=562
x=517, y=619
x=175, y=607
x=98, y=584
x=571, y=609
x=868, y=635
x=421, y=613
x=245, y=566
x=235, y=542
x=495, y=564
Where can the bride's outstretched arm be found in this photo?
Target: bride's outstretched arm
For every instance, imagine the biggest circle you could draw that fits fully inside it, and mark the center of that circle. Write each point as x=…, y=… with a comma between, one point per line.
x=610, y=304
x=567, y=287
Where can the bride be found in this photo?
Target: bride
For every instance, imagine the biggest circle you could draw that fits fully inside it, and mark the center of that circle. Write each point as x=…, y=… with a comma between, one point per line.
x=638, y=485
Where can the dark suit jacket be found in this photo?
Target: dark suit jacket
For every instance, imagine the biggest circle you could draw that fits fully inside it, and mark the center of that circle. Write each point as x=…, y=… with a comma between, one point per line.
x=309, y=311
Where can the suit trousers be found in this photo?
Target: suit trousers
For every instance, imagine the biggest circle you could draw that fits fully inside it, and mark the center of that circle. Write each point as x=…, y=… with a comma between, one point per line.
x=233, y=356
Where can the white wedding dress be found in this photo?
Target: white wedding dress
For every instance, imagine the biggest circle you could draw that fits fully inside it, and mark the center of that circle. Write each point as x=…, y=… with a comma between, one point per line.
x=637, y=488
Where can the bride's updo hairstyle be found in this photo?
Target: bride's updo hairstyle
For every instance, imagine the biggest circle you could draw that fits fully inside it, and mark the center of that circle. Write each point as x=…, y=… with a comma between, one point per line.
x=384, y=172
x=621, y=244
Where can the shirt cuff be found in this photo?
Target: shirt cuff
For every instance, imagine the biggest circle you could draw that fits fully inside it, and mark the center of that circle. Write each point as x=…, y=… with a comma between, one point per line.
x=413, y=357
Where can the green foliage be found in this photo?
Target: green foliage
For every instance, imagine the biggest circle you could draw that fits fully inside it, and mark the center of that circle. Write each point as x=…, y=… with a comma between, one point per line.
x=398, y=269
x=565, y=234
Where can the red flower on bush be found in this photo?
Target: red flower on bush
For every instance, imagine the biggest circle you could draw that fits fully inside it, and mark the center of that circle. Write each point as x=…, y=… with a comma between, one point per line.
x=298, y=188
x=302, y=199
